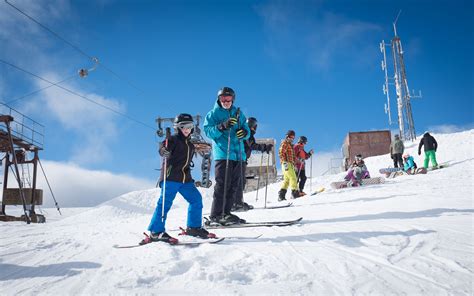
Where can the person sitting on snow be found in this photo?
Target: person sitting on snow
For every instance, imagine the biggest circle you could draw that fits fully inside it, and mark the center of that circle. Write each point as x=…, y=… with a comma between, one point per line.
x=409, y=165
x=357, y=172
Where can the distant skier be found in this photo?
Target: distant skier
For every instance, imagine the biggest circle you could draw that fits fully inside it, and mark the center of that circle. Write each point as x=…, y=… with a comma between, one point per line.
x=357, y=172
x=301, y=155
x=409, y=164
x=396, y=152
x=178, y=151
x=249, y=144
x=430, y=145
x=287, y=159
x=228, y=130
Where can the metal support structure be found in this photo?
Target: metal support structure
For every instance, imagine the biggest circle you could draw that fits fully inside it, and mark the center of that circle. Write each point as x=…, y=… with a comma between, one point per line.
x=18, y=136
x=406, y=123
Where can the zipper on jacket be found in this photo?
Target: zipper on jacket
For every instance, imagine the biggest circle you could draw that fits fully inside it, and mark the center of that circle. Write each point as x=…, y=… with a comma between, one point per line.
x=187, y=159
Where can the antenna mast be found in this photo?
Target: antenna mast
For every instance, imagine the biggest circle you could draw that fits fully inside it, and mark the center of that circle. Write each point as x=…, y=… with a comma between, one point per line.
x=406, y=123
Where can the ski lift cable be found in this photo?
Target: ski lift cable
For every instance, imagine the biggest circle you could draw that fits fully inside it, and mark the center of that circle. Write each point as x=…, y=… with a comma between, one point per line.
x=39, y=90
x=73, y=46
x=79, y=95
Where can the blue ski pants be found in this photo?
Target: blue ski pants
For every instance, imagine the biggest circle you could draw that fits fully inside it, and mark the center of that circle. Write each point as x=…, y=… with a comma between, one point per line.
x=190, y=194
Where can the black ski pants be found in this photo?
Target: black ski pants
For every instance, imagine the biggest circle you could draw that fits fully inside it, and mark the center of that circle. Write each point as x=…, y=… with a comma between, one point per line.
x=221, y=205
x=239, y=194
x=302, y=179
x=397, y=160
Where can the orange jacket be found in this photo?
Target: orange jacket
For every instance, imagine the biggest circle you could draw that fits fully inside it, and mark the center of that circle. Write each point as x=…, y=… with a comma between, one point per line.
x=286, y=152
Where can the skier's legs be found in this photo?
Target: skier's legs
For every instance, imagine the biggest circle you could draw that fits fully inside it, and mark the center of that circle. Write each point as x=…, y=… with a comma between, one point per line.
x=286, y=180
x=235, y=187
x=194, y=198
x=239, y=194
x=218, y=196
x=292, y=177
x=302, y=179
x=156, y=223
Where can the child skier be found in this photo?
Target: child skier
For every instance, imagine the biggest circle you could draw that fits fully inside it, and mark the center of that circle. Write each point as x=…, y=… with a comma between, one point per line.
x=177, y=152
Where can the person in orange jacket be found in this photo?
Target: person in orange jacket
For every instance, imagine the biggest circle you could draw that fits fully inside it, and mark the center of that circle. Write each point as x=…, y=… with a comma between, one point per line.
x=300, y=156
x=287, y=159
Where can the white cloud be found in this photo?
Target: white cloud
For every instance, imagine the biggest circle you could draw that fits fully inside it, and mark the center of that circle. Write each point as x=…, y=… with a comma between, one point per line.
x=74, y=186
x=95, y=126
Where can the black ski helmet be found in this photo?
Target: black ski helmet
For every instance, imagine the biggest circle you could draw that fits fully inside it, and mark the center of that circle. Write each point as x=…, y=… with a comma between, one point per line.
x=252, y=123
x=182, y=119
x=226, y=91
x=303, y=140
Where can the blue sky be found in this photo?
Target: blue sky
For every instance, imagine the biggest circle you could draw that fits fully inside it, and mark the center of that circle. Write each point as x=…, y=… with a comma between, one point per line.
x=311, y=66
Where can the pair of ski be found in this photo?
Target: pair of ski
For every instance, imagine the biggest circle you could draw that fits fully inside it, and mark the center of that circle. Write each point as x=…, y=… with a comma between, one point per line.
x=212, y=240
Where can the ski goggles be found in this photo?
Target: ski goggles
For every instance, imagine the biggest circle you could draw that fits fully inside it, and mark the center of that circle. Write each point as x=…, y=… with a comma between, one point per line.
x=225, y=99
x=185, y=125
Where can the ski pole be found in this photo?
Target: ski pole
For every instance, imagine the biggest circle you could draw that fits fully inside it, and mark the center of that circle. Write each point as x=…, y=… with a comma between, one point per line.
x=240, y=159
x=165, y=172
x=227, y=166
x=259, y=176
x=311, y=173
x=266, y=181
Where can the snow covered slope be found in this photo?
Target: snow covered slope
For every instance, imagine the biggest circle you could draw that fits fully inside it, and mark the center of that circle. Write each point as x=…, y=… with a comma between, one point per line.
x=412, y=235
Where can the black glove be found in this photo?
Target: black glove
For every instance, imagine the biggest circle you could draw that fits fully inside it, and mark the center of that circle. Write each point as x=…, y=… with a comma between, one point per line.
x=391, y=156
x=241, y=133
x=419, y=152
x=164, y=152
x=268, y=148
x=227, y=124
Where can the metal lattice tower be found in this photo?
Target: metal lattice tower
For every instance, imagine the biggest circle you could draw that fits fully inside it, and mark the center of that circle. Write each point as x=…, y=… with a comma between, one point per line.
x=406, y=123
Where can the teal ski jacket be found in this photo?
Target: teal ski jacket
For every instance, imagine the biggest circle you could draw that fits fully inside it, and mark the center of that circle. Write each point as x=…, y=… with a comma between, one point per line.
x=220, y=138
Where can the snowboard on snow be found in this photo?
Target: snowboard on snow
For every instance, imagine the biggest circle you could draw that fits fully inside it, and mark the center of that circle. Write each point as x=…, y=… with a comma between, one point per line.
x=418, y=171
x=253, y=224
x=389, y=170
x=440, y=166
x=364, y=182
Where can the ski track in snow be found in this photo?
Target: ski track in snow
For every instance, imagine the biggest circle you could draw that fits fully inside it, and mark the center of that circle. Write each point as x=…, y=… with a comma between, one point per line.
x=412, y=235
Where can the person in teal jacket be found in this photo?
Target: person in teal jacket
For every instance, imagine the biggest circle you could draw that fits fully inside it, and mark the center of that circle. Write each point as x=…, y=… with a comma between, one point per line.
x=409, y=164
x=226, y=126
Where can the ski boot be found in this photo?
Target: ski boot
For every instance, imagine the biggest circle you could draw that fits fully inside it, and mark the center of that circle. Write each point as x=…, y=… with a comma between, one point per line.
x=198, y=232
x=295, y=194
x=281, y=195
x=158, y=237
